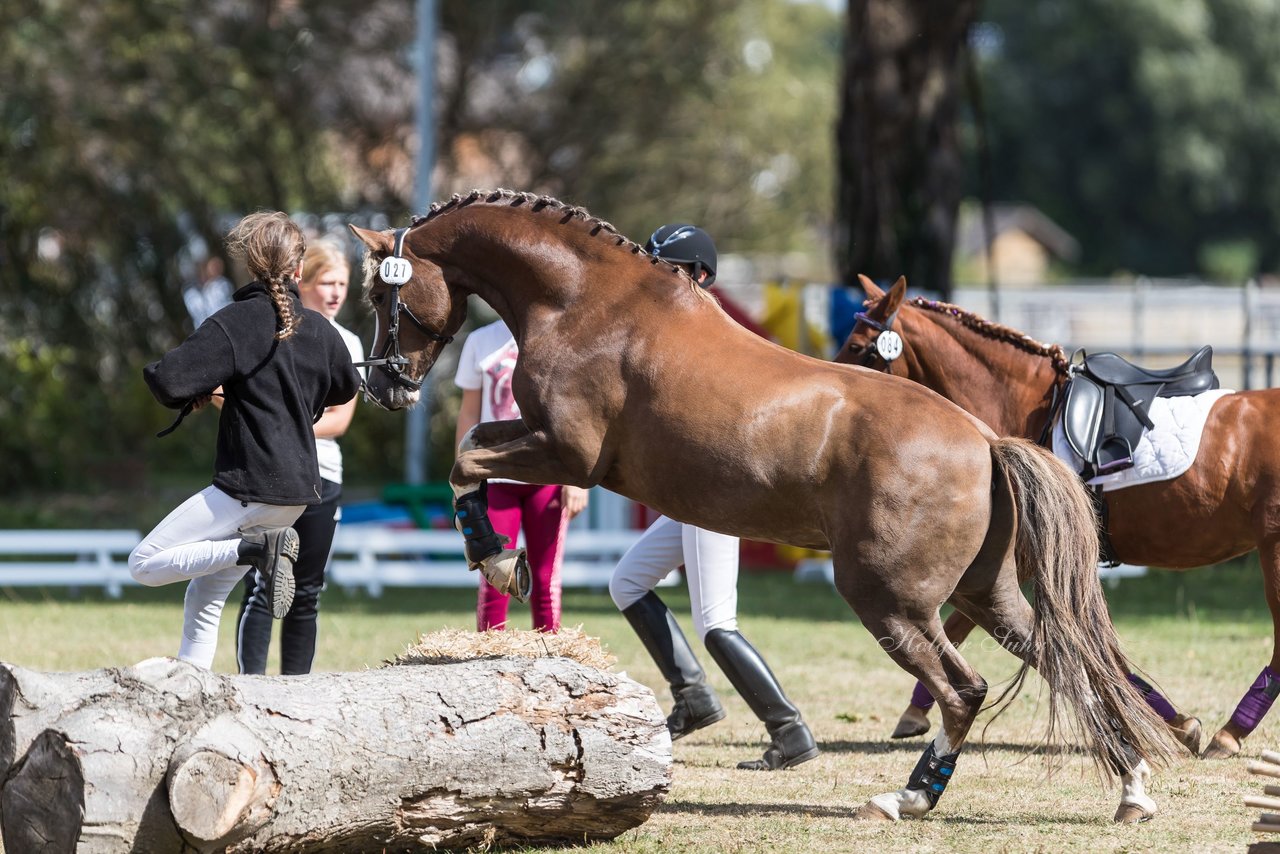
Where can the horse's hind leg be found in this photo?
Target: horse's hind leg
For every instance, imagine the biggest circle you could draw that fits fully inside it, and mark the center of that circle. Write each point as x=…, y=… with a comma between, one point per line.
x=1007, y=616
x=1257, y=701
x=919, y=646
x=915, y=720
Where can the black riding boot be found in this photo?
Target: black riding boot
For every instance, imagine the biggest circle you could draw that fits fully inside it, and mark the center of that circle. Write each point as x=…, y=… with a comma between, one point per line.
x=272, y=553
x=790, y=740
x=696, y=704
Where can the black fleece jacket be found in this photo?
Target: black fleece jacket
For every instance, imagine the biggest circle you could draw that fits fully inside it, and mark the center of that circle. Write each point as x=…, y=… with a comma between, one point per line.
x=273, y=393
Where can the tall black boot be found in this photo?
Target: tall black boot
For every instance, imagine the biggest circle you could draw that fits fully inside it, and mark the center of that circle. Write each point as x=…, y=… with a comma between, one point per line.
x=790, y=740
x=272, y=553
x=696, y=704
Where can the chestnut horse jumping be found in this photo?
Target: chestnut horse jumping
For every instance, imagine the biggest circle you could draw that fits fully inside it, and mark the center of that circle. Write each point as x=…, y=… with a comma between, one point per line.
x=1225, y=505
x=632, y=377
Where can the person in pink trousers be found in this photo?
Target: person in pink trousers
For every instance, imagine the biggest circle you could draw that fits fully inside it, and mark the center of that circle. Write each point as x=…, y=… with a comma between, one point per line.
x=543, y=512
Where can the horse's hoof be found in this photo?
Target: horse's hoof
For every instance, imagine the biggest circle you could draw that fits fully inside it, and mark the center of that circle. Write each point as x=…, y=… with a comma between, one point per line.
x=508, y=572
x=871, y=812
x=1223, y=745
x=1186, y=730
x=914, y=721
x=1133, y=814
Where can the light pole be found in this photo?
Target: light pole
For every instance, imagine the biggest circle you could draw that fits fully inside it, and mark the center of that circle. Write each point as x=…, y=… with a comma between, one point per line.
x=418, y=427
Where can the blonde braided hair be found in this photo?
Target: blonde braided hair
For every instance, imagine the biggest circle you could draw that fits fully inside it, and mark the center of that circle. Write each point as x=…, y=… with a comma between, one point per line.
x=271, y=246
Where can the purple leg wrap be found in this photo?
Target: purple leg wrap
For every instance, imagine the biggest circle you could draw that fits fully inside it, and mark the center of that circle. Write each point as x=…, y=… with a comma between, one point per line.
x=1257, y=700
x=1154, y=698
x=921, y=698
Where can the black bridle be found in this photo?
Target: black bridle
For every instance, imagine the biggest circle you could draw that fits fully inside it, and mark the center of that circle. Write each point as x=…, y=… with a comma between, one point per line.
x=887, y=345
x=395, y=270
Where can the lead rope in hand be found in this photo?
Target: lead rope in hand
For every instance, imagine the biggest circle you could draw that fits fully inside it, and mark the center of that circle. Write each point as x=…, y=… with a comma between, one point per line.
x=187, y=409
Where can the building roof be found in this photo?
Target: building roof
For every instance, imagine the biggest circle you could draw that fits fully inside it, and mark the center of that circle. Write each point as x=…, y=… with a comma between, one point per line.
x=970, y=235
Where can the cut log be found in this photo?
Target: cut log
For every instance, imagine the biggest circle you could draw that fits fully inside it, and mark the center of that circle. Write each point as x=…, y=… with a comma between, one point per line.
x=164, y=755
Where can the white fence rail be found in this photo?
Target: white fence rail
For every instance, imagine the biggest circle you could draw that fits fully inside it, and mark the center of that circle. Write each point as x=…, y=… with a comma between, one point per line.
x=385, y=557
x=366, y=557
x=1153, y=321
x=67, y=559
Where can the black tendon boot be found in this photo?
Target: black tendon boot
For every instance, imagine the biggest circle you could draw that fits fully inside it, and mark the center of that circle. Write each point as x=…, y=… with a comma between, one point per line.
x=790, y=740
x=272, y=553
x=696, y=705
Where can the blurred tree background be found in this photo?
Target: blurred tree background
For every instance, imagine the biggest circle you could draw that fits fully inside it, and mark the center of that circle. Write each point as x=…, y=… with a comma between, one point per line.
x=1144, y=127
x=134, y=132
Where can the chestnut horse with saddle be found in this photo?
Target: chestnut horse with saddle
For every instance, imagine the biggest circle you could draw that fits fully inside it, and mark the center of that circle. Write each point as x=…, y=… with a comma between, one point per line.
x=633, y=378
x=1225, y=505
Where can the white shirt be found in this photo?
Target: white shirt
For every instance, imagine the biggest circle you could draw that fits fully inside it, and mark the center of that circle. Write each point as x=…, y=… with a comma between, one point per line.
x=487, y=362
x=328, y=453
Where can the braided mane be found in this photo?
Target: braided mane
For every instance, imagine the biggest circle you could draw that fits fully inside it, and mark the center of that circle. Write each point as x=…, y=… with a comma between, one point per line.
x=568, y=213
x=998, y=332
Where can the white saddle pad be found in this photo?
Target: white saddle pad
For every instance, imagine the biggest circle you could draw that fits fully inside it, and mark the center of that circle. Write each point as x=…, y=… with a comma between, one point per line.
x=1162, y=453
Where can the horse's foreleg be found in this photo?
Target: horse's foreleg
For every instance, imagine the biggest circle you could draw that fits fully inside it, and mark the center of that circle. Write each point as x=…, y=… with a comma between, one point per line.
x=1255, y=704
x=921, y=648
x=499, y=449
x=915, y=720
x=486, y=435
x=509, y=449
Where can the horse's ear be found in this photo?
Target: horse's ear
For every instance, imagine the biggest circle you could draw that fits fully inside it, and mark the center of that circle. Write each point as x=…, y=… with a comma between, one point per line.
x=896, y=294
x=872, y=289
x=376, y=241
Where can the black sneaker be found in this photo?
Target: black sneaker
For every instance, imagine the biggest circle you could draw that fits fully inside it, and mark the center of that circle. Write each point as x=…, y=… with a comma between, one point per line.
x=273, y=553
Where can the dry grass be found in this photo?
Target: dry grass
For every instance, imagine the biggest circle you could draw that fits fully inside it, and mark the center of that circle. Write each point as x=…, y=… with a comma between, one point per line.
x=448, y=646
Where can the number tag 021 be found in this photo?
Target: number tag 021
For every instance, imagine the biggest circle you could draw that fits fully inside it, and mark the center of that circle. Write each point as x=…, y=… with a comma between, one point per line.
x=395, y=271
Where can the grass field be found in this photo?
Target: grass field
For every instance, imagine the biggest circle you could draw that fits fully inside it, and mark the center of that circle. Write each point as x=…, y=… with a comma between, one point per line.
x=1202, y=636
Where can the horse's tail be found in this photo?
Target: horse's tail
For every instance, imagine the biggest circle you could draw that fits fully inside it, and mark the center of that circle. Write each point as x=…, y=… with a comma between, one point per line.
x=1075, y=645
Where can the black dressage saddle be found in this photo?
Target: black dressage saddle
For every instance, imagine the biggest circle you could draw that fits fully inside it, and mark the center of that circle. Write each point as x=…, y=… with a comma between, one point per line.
x=1108, y=401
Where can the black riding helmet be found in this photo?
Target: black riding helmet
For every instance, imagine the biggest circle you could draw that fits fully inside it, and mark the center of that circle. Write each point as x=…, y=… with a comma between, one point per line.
x=681, y=243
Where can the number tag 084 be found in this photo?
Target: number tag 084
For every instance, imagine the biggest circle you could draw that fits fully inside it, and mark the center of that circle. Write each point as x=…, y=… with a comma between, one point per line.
x=395, y=271
x=889, y=345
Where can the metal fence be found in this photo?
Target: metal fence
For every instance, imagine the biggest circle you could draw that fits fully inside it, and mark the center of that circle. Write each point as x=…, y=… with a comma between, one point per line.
x=1156, y=322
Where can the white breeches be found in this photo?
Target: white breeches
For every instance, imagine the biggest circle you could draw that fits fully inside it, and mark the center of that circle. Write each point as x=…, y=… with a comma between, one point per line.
x=710, y=561
x=199, y=542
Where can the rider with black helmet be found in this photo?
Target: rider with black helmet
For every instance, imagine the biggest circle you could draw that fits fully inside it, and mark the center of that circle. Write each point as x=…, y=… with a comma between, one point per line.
x=711, y=563
x=689, y=246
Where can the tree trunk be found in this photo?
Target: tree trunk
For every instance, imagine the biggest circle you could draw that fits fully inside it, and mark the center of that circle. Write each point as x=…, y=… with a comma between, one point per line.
x=899, y=162
x=164, y=756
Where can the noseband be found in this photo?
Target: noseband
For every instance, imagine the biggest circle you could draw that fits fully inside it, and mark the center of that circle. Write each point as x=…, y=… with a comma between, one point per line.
x=395, y=271
x=888, y=344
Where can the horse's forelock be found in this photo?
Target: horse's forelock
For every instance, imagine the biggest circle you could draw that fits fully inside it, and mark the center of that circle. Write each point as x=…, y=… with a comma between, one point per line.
x=370, y=272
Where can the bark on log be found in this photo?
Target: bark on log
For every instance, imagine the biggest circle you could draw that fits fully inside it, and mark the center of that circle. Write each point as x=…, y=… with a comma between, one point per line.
x=164, y=757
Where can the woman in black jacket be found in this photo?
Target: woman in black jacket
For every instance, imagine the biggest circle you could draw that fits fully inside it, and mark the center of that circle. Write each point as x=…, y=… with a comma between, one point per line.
x=278, y=365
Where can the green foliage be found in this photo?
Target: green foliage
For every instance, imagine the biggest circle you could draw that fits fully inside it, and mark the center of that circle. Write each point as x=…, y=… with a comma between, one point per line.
x=647, y=112
x=35, y=407
x=1144, y=127
x=1229, y=261
x=127, y=131
x=132, y=134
